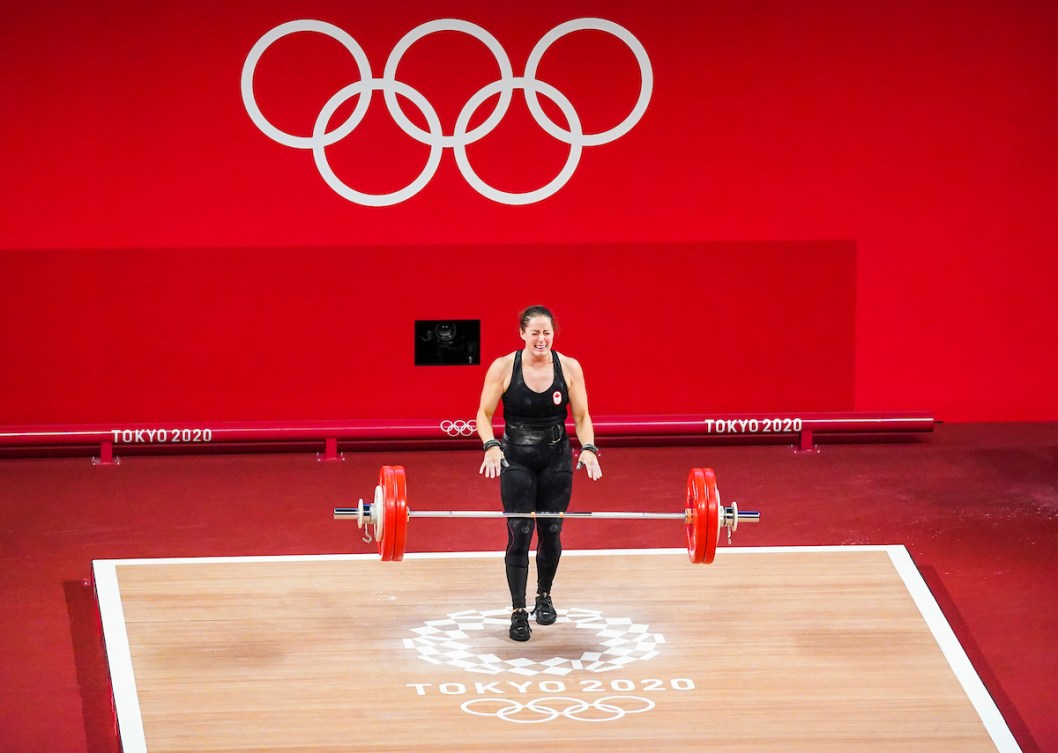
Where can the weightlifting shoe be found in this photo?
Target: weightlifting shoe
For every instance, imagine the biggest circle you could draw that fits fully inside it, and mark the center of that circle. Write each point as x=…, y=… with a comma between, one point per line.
x=520, y=630
x=545, y=610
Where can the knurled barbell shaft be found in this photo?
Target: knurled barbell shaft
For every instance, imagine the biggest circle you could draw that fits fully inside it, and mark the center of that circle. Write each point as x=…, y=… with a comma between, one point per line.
x=744, y=516
x=498, y=514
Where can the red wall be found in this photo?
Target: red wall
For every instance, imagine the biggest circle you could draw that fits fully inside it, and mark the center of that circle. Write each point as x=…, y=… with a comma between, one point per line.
x=131, y=335
x=919, y=134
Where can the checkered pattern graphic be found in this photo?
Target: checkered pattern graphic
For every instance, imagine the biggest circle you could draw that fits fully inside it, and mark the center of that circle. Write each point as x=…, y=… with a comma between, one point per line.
x=457, y=641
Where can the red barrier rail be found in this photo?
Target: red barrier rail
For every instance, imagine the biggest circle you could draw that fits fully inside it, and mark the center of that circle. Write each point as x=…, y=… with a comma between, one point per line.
x=370, y=434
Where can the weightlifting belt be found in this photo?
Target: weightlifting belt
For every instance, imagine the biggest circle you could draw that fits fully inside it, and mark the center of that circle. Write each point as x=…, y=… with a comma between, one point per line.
x=523, y=433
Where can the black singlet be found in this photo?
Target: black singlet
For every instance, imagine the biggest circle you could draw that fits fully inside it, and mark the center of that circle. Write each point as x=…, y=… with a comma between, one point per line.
x=535, y=417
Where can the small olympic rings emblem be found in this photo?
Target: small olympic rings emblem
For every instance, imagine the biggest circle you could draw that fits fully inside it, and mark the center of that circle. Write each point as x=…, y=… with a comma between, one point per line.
x=459, y=428
x=461, y=136
x=607, y=709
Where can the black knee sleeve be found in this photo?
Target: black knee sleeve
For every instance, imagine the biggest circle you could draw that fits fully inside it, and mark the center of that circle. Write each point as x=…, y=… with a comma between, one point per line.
x=519, y=537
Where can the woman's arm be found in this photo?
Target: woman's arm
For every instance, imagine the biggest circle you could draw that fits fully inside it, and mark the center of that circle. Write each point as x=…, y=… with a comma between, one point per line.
x=491, y=393
x=578, y=403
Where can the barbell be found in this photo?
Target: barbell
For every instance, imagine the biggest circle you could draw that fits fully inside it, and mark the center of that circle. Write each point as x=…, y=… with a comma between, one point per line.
x=703, y=515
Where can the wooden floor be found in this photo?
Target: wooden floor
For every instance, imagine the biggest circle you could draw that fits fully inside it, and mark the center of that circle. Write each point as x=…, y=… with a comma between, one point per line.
x=768, y=649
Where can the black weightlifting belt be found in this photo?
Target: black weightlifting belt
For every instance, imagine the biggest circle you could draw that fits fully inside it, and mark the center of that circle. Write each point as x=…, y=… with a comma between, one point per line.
x=522, y=433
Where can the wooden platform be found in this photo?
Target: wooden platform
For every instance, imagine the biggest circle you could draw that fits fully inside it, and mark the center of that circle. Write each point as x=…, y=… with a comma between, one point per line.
x=767, y=649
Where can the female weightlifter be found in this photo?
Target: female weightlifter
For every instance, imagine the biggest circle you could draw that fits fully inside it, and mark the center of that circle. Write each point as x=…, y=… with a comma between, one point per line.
x=533, y=460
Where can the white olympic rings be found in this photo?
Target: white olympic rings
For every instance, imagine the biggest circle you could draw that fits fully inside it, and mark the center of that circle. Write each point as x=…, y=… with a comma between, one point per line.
x=435, y=137
x=459, y=427
x=550, y=708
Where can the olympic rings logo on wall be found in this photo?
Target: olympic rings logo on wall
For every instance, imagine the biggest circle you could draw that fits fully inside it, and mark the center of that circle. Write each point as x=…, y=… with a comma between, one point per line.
x=608, y=709
x=461, y=136
x=459, y=427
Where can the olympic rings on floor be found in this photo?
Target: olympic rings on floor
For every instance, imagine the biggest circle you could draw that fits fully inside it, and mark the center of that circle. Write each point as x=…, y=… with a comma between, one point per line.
x=538, y=710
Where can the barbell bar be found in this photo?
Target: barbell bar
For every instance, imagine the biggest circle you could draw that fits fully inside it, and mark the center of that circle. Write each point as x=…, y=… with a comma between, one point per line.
x=704, y=516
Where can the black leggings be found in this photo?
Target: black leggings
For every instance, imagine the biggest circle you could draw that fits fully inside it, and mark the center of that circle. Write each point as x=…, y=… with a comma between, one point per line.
x=538, y=478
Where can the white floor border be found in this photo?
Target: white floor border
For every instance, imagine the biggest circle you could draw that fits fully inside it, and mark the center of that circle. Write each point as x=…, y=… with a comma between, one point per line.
x=123, y=678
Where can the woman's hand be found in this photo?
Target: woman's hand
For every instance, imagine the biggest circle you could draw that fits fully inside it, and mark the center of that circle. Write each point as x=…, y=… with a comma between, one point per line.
x=590, y=461
x=493, y=462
